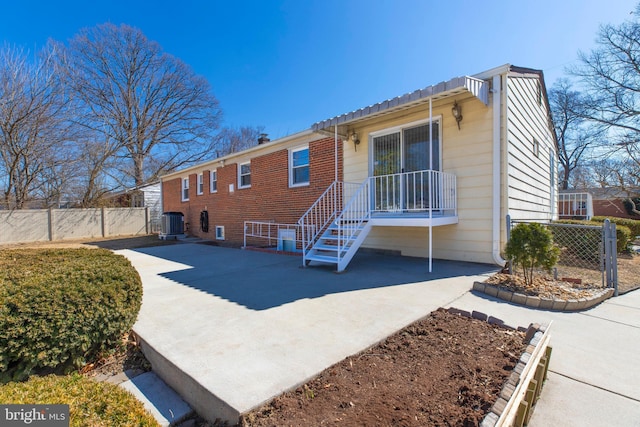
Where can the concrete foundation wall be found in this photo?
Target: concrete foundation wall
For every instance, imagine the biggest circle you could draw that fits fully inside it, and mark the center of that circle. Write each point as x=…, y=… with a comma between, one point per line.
x=40, y=225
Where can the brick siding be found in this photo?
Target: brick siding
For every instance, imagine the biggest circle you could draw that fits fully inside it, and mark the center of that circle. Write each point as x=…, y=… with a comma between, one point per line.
x=268, y=199
x=612, y=208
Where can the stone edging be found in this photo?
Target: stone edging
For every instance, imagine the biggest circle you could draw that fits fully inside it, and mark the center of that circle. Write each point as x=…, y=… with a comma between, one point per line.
x=505, y=409
x=542, y=303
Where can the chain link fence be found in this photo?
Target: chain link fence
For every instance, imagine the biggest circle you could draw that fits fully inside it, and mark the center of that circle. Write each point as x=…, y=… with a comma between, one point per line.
x=582, y=252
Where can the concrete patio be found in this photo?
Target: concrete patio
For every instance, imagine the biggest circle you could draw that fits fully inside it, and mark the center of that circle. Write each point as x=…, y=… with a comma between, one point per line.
x=230, y=329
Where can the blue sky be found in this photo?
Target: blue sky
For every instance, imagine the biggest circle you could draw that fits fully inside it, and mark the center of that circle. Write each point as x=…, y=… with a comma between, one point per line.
x=287, y=64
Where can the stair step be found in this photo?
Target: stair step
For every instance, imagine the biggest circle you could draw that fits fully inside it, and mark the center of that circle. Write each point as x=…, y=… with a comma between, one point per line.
x=326, y=247
x=334, y=227
x=322, y=258
x=328, y=239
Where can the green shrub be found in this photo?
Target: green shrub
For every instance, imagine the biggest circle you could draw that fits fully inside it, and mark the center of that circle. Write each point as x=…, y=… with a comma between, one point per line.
x=632, y=224
x=59, y=307
x=530, y=246
x=623, y=236
x=91, y=403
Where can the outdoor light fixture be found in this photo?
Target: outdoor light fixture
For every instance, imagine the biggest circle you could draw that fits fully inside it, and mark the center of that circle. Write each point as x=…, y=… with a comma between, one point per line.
x=355, y=140
x=457, y=113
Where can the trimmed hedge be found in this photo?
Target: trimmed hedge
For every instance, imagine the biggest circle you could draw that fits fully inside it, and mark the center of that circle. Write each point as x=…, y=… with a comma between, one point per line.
x=623, y=235
x=59, y=307
x=91, y=403
x=632, y=224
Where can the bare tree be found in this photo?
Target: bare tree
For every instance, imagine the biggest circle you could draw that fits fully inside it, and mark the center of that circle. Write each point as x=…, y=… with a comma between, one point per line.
x=232, y=140
x=611, y=76
x=574, y=133
x=95, y=164
x=32, y=121
x=157, y=111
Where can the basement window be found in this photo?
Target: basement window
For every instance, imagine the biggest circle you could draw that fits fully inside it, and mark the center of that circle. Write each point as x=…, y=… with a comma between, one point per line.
x=219, y=232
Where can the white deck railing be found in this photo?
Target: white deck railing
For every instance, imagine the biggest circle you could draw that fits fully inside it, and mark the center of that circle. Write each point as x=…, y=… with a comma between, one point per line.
x=575, y=205
x=348, y=205
x=272, y=232
x=356, y=212
x=324, y=211
x=425, y=191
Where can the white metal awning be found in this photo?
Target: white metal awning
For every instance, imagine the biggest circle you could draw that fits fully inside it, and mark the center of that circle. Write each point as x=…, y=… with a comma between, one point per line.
x=477, y=87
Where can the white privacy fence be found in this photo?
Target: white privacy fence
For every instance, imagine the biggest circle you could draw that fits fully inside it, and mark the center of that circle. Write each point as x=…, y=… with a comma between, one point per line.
x=41, y=225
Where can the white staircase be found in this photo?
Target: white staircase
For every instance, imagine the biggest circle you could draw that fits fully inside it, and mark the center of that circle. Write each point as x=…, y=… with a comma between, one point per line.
x=336, y=225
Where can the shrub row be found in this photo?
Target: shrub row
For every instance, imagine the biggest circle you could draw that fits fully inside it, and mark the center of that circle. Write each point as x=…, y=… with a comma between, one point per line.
x=59, y=307
x=631, y=224
x=91, y=403
x=623, y=236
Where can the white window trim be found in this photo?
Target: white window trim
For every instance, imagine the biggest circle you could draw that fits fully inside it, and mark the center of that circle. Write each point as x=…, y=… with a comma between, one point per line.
x=184, y=186
x=240, y=186
x=211, y=181
x=200, y=184
x=400, y=128
x=291, y=151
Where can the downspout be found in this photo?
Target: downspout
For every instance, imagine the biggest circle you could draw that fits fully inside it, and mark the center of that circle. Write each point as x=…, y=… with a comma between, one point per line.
x=496, y=208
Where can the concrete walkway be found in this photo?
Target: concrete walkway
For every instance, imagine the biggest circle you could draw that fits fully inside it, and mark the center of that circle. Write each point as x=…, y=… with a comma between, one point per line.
x=230, y=329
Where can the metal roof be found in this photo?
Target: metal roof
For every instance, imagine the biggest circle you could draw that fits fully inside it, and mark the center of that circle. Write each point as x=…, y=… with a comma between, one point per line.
x=479, y=88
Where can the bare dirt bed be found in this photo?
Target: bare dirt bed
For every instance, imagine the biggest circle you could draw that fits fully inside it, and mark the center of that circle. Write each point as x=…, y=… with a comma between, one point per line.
x=444, y=370
x=589, y=282
x=628, y=272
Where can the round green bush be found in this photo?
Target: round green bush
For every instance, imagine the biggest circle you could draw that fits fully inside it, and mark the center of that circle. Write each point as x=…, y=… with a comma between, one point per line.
x=530, y=246
x=60, y=307
x=91, y=403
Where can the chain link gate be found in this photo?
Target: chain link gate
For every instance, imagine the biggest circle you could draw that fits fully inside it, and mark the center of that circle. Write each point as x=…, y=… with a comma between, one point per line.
x=587, y=252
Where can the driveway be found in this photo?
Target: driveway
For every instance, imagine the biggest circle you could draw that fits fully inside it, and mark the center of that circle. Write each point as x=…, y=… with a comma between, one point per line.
x=229, y=329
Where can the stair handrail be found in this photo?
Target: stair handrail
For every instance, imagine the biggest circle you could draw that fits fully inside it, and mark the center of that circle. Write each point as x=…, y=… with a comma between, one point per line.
x=321, y=213
x=356, y=211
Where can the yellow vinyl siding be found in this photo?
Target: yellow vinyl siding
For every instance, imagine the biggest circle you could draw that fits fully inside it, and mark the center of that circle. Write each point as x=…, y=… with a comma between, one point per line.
x=529, y=174
x=466, y=153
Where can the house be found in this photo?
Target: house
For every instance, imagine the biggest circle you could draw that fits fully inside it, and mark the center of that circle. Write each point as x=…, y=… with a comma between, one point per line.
x=432, y=173
x=589, y=202
x=143, y=196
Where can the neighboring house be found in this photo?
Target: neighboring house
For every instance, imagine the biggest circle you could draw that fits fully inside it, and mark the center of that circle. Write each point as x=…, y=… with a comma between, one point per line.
x=589, y=202
x=432, y=173
x=143, y=196
x=575, y=204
